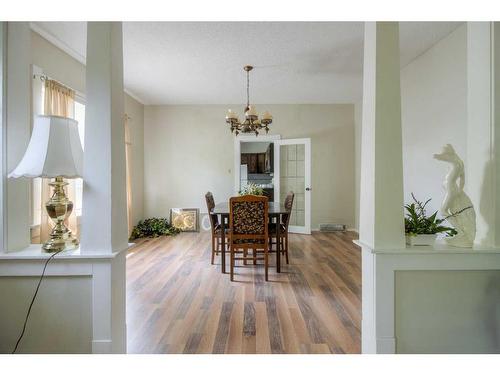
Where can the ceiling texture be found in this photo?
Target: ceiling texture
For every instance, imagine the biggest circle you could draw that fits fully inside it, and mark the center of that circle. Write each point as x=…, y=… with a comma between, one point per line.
x=202, y=62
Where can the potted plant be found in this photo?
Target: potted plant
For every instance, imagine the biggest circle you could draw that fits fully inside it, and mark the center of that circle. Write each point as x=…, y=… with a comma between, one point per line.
x=420, y=229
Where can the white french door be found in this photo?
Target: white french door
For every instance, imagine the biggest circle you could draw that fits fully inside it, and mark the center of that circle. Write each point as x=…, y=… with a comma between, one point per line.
x=293, y=158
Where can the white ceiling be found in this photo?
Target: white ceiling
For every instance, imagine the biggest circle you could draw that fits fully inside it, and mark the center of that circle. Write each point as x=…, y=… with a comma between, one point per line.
x=201, y=62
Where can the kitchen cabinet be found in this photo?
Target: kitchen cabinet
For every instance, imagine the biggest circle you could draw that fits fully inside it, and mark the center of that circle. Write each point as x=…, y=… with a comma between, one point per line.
x=259, y=162
x=255, y=162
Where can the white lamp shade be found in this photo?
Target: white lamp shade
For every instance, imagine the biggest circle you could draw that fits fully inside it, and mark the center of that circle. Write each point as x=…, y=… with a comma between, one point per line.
x=251, y=111
x=54, y=150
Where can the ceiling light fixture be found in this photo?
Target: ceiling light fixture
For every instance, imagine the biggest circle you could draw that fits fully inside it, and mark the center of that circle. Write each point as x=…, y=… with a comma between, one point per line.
x=252, y=124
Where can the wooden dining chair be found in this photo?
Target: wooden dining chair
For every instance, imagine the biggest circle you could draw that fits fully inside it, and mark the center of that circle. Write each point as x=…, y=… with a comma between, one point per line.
x=248, y=230
x=284, y=227
x=216, y=228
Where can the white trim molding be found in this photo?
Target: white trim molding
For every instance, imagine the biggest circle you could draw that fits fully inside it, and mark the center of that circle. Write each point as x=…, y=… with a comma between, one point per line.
x=51, y=38
x=57, y=42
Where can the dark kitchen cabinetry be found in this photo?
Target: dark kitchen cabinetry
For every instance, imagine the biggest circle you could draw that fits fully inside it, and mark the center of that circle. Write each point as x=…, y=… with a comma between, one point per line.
x=269, y=159
x=255, y=162
x=259, y=162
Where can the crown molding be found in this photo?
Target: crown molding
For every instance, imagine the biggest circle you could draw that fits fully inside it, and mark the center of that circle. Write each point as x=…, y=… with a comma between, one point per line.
x=51, y=38
x=132, y=95
x=57, y=42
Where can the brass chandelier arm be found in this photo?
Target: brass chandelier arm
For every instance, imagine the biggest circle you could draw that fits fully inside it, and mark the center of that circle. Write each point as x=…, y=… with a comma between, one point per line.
x=249, y=126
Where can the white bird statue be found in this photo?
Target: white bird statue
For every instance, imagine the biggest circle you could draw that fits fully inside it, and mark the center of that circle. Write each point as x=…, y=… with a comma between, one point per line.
x=457, y=207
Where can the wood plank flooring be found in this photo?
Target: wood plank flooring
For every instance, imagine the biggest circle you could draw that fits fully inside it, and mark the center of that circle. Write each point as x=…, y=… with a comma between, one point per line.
x=177, y=302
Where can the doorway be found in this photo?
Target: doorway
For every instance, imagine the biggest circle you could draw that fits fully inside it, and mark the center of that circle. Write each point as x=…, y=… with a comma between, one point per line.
x=278, y=166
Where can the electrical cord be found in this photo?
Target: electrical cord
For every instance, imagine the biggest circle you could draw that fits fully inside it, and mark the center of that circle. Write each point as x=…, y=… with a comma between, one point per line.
x=33, y=300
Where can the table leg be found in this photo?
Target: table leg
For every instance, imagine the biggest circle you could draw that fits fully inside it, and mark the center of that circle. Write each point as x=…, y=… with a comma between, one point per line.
x=223, y=243
x=278, y=245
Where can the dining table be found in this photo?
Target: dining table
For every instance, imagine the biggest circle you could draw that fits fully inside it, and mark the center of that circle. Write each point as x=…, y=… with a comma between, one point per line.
x=275, y=212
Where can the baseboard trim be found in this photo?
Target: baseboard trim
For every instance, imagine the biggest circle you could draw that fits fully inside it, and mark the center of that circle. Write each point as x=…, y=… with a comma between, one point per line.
x=347, y=230
x=386, y=345
x=102, y=346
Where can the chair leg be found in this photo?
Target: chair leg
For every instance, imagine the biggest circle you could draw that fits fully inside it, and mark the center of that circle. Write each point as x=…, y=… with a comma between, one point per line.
x=286, y=249
x=254, y=251
x=245, y=254
x=266, y=263
x=213, y=248
x=231, y=267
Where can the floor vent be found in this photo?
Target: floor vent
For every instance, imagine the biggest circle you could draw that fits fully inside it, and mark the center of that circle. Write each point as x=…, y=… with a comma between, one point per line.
x=332, y=227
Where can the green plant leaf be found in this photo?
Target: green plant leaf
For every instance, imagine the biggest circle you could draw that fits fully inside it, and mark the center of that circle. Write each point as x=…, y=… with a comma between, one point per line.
x=417, y=221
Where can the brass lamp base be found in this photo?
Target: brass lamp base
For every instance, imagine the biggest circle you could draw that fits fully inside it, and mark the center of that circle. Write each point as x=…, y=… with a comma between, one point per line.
x=59, y=207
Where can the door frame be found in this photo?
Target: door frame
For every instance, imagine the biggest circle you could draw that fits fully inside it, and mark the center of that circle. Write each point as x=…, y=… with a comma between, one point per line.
x=307, y=180
x=237, y=159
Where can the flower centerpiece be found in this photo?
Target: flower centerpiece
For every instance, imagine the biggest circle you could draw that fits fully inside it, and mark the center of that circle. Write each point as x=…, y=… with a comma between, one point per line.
x=252, y=189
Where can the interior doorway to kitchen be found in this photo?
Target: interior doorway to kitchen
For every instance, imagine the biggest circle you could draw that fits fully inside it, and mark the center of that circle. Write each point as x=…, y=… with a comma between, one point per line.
x=254, y=163
x=277, y=166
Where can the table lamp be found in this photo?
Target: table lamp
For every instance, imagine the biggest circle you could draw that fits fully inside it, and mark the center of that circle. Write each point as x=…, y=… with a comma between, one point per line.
x=54, y=151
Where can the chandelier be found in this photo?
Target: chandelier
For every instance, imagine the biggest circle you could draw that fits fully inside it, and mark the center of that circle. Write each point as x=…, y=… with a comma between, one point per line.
x=252, y=124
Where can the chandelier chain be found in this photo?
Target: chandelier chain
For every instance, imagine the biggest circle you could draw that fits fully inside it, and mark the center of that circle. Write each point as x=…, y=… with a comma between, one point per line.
x=248, y=89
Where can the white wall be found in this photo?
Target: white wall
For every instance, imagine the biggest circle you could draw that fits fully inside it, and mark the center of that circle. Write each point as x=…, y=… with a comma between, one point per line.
x=434, y=112
x=53, y=327
x=447, y=311
x=62, y=67
x=189, y=151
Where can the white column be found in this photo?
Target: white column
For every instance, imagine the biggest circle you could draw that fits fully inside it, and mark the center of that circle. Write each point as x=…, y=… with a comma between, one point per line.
x=104, y=220
x=381, y=191
x=3, y=135
x=483, y=129
x=18, y=118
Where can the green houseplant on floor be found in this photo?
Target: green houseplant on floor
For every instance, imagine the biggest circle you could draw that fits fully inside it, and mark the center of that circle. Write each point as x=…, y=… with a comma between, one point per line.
x=153, y=227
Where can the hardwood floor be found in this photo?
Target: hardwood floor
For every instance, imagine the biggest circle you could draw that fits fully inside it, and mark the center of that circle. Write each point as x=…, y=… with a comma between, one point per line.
x=177, y=302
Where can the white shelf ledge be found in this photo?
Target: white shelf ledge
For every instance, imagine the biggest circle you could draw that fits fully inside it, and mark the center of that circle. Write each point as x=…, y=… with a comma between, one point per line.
x=34, y=252
x=439, y=248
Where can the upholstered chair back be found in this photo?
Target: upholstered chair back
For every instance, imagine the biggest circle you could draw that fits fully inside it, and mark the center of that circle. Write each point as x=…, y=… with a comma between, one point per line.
x=214, y=221
x=248, y=217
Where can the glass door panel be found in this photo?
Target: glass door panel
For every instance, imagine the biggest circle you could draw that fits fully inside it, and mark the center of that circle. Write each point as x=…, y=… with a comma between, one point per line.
x=295, y=176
